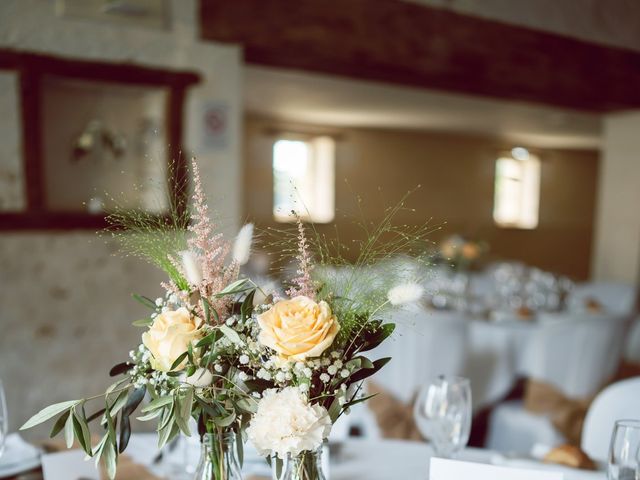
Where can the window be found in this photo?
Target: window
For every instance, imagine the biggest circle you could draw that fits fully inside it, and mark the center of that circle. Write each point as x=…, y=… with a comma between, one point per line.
x=303, y=179
x=517, y=190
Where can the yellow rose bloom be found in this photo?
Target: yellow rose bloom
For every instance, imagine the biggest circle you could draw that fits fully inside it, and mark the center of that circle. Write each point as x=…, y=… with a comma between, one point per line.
x=470, y=251
x=298, y=328
x=169, y=337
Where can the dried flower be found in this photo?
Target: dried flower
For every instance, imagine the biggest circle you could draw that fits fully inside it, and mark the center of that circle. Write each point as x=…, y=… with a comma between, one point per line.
x=405, y=293
x=191, y=267
x=242, y=245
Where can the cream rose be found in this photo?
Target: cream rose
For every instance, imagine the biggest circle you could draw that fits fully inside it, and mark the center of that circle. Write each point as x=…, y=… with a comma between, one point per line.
x=169, y=337
x=298, y=328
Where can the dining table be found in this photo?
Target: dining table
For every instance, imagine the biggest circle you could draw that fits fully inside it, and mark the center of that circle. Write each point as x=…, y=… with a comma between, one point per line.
x=350, y=459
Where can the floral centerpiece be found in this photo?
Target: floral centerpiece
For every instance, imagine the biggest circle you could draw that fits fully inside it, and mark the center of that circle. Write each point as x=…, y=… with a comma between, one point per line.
x=307, y=349
x=187, y=360
x=280, y=370
x=461, y=253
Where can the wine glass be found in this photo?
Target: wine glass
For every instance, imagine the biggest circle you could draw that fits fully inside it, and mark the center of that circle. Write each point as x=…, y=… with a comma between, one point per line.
x=4, y=420
x=443, y=414
x=624, y=451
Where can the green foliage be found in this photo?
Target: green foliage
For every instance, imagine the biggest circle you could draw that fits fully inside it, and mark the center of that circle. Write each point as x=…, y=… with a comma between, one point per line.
x=153, y=237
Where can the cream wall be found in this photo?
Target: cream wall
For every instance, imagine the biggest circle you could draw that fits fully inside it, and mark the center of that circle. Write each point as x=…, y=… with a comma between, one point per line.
x=617, y=251
x=456, y=174
x=65, y=304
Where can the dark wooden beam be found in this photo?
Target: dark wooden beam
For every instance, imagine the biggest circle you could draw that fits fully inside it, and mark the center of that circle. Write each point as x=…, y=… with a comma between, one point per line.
x=126, y=73
x=408, y=44
x=31, y=115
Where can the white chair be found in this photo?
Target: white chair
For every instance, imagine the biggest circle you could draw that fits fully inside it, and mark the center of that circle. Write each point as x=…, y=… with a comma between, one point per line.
x=577, y=356
x=425, y=344
x=632, y=348
x=616, y=402
x=614, y=297
x=491, y=362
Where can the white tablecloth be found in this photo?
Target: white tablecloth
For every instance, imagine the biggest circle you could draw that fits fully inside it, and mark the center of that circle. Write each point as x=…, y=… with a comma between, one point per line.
x=374, y=460
x=573, y=351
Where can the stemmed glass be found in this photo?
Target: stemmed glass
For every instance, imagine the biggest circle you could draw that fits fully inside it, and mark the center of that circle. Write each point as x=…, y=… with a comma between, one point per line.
x=443, y=414
x=624, y=452
x=4, y=420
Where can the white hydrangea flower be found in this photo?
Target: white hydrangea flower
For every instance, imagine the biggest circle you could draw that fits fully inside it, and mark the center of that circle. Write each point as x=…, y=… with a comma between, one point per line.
x=332, y=370
x=324, y=378
x=280, y=377
x=286, y=423
x=244, y=359
x=344, y=373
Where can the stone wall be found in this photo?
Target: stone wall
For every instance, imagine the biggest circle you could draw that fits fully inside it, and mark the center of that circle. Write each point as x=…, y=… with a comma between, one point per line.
x=65, y=303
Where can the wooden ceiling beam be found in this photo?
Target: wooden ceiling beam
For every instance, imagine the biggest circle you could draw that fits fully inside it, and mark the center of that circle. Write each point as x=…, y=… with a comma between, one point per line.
x=408, y=44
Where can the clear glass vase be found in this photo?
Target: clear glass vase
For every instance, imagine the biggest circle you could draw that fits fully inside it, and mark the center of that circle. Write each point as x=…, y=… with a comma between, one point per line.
x=219, y=458
x=304, y=466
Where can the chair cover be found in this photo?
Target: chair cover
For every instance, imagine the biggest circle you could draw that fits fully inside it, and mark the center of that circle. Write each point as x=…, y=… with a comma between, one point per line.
x=514, y=429
x=492, y=362
x=614, y=297
x=616, y=402
x=577, y=353
x=632, y=348
x=425, y=344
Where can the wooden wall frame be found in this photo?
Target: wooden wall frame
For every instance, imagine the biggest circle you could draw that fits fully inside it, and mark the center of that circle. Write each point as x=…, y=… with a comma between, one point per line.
x=31, y=68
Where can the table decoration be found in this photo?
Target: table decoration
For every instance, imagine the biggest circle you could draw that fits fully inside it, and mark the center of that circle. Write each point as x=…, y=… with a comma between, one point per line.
x=188, y=359
x=460, y=253
x=310, y=344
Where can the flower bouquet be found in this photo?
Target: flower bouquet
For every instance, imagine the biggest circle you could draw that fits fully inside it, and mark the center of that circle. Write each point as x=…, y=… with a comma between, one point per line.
x=308, y=348
x=461, y=253
x=186, y=363
x=279, y=371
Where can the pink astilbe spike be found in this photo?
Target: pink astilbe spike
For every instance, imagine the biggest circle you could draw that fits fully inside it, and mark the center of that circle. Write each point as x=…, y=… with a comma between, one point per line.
x=211, y=250
x=302, y=284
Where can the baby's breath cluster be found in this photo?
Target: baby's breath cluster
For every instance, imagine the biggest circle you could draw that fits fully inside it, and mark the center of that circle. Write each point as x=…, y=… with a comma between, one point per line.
x=142, y=373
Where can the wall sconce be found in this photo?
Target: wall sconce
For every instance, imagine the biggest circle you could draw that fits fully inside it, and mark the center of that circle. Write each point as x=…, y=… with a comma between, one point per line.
x=96, y=139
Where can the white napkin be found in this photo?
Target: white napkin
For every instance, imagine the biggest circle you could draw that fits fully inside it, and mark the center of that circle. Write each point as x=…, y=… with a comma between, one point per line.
x=442, y=469
x=17, y=452
x=68, y=465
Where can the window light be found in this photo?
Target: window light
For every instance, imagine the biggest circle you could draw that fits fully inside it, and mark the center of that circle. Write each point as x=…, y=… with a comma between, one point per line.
x=303, y=179
x=517, y=190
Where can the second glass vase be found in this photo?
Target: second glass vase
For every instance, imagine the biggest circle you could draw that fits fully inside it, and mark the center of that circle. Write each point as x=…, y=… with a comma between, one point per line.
x=305, y=466
x=219, y=458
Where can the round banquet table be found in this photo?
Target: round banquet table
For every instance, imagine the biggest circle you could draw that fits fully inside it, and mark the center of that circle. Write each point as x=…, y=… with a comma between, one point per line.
x=353, y=459
x=493, y=354
x=357, y=459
